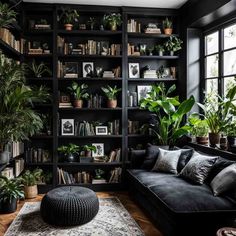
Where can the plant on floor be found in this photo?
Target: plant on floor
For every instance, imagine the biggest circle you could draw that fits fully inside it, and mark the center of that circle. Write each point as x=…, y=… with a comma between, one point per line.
x=168, y=113
x=18, y=119
x=79, y=92
x=113, y=20
x=173, y=44
x=10, y=191
x=111, y=94
x=30, y=179
x=7, y=15
x=37, y=70
x=167, y=26
x=69, y=16
x=69, y=151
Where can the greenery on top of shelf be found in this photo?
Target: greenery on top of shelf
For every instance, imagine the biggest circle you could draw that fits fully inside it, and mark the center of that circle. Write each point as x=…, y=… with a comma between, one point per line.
x=7, y=15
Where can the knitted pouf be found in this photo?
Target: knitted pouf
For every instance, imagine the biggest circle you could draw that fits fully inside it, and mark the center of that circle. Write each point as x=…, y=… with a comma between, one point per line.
x=68, y=206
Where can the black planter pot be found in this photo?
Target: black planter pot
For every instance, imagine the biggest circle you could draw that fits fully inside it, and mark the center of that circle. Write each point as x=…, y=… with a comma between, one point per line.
x=231, y=143
x=70, y=158
x=8, y=207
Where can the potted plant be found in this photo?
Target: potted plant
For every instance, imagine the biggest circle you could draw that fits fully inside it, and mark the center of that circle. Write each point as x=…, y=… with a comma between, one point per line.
x=167, y=26
x=91, y=22
x=168, y=114
x=113, y=20
x=37, y=70
x=10, y=191
x=150, y=51
x=159, y=49
x=89, y=149
x=173, y=44
x=111, y=94
x=18, y=119
x=30, y=179
x=79, y=92
x=231, y=136
x=70, y=151
x=70, y=16
x=7, y=15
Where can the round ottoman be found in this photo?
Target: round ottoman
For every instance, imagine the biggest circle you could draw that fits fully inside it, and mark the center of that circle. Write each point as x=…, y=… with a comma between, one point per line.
x=69, y=206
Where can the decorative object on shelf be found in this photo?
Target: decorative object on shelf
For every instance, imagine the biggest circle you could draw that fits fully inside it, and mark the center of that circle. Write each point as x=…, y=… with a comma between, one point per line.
x=69, y=151
x=70, y=16
x=92, y=22
x=143, y=91
x=82, y=26
x=113, y=20
x=79, y=92
x=98, y=178
x=173, y=44
x=98, y=71
x=99, y=150
x=173, y=72
x=143, y=49
x=168, y=114
x=101, y=27
x=167, y=26
x=133, y=26
x=88, y=69
x=111, y=94
x=8, y=15
x=152, y=28
x=30, y=179
x=67, y=127
x=16, y=104
x=159, y=50
x=38, y=70
x=11, y=190
x=88, y=149
x=101, y=130
x=42, y=24
x=150, y=51
x=134, y=71
x=231, y=136
x=71, y=70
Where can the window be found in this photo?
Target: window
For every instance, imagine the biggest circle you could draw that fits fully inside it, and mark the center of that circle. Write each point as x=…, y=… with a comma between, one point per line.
x=220, y=60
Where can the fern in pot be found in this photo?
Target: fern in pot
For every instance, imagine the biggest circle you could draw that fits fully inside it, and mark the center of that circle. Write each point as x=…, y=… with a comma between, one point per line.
x=111, y=94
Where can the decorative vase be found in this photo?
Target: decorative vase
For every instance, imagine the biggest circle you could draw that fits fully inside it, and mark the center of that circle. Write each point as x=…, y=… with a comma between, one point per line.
x=202, y=140
x=68, y=27
x=7, y=207
x=4, y=157
x=113, y=26
x=214, y=139
x=112, y=103
x=70, y=158
x=160, y=53
x=31, y=191
x=78, y=103
x=172, y=53
x=168, y=31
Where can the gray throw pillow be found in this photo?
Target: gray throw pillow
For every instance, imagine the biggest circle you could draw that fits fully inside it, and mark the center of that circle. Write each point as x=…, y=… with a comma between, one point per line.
x=224, y=181
x=198, y=167
x=167, y=161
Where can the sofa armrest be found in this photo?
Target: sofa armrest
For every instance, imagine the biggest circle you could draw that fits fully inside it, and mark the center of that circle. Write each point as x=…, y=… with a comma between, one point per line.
x=137, y=158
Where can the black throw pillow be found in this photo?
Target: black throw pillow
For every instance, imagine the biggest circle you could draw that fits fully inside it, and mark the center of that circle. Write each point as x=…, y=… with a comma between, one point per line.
x=152, y=153
x=137, y=158
x=184, y=158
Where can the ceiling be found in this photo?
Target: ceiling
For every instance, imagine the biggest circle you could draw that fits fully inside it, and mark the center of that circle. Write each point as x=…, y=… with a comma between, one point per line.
x=175, y=4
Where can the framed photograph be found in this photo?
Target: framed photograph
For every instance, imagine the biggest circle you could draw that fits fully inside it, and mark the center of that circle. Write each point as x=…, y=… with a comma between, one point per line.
x=88, y=68
x=143, y=90
x=71, y=70
x=99, y=150
x=134, y=71
x=101, y=130
x=67, y=127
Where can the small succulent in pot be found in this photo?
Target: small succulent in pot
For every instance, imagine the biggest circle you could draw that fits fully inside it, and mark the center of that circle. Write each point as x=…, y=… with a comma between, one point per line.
x=111, y=94
x=69, y=151
x=167, y=26
x=159, y=49
x=113, y=20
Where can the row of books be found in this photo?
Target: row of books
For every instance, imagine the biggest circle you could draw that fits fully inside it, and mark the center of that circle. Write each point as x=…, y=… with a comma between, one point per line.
x=131, y=50
x=15, y=149
x=19, y=166
x=133, y=26
x=37, y=155
x=115, y=155
x=9, y=38
x=133, y=127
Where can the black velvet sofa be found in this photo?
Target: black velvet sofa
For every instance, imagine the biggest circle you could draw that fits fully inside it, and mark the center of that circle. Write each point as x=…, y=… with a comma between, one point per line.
x=177, y=206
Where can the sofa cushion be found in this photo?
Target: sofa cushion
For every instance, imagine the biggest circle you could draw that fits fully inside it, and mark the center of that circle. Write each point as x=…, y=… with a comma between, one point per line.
x=167, y=161
x=198, y=168
x=137, y=157
x=152, y=152
x=224, y=181
x=184, y=158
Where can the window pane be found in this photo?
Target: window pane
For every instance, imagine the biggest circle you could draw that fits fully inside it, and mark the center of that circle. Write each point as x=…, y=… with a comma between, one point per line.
x=212, y=44
x=212, y=66
x=228, y=83
x=230, y=62
x=230, y=37
x=212, y=86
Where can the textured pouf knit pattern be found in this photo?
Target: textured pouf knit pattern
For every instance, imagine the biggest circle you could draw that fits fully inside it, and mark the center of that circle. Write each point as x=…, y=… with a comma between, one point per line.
x=69, y=206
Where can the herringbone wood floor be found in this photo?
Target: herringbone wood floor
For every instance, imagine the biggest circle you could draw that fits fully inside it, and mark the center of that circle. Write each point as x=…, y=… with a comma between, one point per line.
x=138, y=214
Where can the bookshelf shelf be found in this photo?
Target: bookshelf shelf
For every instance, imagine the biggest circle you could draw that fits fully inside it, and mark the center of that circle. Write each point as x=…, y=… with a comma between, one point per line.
x=88, y=79
x=40, y=164
x=42, y=137
x=154, y=57
x=88, y=56
x=139, y=136
x=152, y=80
x=90, y=109
x=144, y=35
x=90, y=32
x=38, y=32
x=90, y=137
x=8, y=50
x=94, y=164
x=49, y=55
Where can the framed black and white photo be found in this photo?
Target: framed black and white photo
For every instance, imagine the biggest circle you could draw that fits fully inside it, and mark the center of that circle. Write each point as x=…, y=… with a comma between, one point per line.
x=104, y=48
x=143, y=90
x=71, y=70
x=99, y=150
x=88, y=69
x=134, y=71
x=101, y=130
x=67, y=127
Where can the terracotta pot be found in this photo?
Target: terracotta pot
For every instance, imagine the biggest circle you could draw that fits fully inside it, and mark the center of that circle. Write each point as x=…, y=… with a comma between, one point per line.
x=168, y=31
x=78, y=103
x=202, y=140
x=112, y=103
x=214, y=139
x=113, y=27
x=68, y=27
x=31, y=191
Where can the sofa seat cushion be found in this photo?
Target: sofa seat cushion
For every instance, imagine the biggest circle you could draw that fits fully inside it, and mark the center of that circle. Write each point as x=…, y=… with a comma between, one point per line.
x=180, y=196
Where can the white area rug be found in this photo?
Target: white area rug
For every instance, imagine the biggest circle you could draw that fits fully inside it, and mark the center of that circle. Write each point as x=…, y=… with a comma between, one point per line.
x=112, y=220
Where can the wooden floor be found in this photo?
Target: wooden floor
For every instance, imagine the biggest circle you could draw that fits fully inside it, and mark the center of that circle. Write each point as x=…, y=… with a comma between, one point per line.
x=140, y=217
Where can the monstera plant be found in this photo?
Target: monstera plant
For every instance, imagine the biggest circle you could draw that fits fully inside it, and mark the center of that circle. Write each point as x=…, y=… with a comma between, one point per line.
x=168, y=113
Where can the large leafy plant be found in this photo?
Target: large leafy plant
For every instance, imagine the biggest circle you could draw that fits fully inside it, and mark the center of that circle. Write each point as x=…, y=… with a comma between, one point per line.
x=110, y=92
x=37, y=70
x=7, y=15
x=70, y=149
x=18, y=119
x=79, y=91
x=10, y=189
x=168, y=113
x=112, y=19
x=173, y=44
x=199, y=127
x=31, y=178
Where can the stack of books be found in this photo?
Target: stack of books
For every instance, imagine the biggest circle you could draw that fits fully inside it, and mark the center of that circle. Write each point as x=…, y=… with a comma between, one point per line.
x=133, y=26
x=114, y=155
x=152, y=29
x=115, y=175
x=65, y=105
x=99, y=181
x=152, y=74
x=108, y=74
x=42, y=27
x=19, y=166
